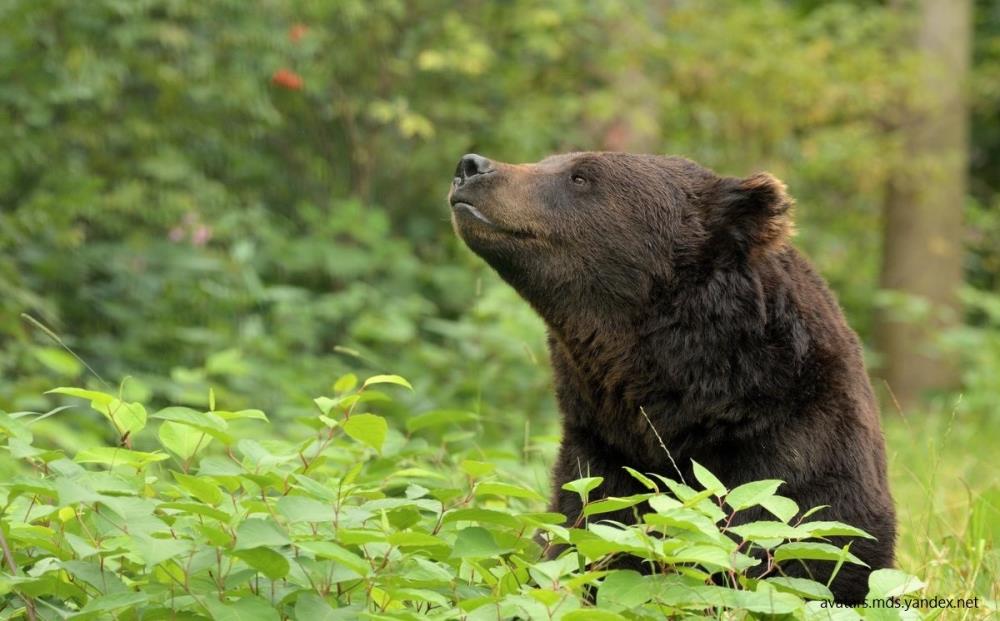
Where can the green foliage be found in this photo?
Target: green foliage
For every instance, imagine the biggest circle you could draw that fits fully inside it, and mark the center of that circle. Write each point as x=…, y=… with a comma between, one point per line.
x=182, y=195
x=198, y=177
x=351, y=517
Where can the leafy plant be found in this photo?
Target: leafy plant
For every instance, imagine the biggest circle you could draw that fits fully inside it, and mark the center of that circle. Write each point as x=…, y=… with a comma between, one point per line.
x=365, y=516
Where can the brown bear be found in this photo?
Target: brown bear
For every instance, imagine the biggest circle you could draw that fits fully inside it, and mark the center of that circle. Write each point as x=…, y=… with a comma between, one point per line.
x=672, y=292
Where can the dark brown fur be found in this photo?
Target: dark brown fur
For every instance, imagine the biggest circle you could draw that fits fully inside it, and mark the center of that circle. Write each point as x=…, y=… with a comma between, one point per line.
x=669, y=288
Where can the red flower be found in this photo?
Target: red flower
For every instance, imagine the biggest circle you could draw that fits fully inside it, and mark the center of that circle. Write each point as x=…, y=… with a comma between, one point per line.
x=296, y=32
x=286, y=78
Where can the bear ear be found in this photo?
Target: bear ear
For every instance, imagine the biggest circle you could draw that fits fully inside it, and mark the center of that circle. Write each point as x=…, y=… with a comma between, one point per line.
x=754, y=212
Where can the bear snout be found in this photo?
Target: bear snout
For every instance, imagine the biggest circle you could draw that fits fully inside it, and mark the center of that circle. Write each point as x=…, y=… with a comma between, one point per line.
x=467, y=187
x=467, y=182
x=489, y=202
x=470, y=166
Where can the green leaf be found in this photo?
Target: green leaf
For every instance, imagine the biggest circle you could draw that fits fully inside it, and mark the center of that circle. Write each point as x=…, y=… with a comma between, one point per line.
x=330, y=550
x=624, y=589
x=325, y=404
x=112, y=601
x=420, y=595
x=780, y=507
x=546, y=572
x=387, y=379
x=483, y=516
x=592, y=614
x=546, y=597
x=112, y=456
x=314, y=608
x=127, y=418
x=304, y=509
x=155, y=550
x=751, y=494
x=800, y=586
x=647, y=482
x=206, y=422
x=344, y=403
x=683, y=518
x=202, y=488
x=477, y=468
x=608, y=505
x=197, y=509
x=93, y=396
x=261, y=457
x=708, y=480
x=429, y=571
x=833, y=529
x=683, y=492
x=506, y=490
x=755, y=531
x=19, y=449
x=814, y=510
x=248, y=608
x=368, y=429
x=183, y=440
x=14, y=428
x=662, y=503
x=709, y=556
x=803, y=550
x=475, y=542
x=266, y=561
x=256, y=532
x=241, y=415
x=584, y=486
x=409, y=538
x=91, y=573
x=316, y=489
x=81, y=547
x=75, y=490
x=345, y=383
x=768, y=602
x=329, y=422
x=883, y=583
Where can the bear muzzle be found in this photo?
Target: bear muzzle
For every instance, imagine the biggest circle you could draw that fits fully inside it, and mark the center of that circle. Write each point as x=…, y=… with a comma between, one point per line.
x=482, y=201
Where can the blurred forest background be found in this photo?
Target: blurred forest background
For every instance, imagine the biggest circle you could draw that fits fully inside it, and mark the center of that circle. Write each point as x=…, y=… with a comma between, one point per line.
x=251, y=196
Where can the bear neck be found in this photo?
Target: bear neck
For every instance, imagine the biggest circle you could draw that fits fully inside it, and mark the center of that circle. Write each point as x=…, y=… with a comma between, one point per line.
x=709, y=342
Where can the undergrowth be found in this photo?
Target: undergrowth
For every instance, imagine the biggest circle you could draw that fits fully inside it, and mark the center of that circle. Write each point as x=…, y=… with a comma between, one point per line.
x=189, y=514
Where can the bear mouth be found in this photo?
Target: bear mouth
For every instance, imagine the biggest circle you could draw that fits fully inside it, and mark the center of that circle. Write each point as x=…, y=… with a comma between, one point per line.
x=468, y=210
x=462, y=206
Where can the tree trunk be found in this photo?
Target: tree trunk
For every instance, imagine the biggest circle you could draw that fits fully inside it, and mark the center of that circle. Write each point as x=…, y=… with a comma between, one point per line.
x=922, y=239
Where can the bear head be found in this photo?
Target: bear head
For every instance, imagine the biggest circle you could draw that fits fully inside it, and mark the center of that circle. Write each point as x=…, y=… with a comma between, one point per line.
x=599, y=232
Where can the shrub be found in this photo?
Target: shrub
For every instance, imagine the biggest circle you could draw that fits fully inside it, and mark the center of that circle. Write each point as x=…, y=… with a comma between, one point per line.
x=370, y=517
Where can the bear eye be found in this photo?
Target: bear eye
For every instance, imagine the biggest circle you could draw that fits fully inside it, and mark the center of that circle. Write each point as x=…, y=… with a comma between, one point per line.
x=579, y=180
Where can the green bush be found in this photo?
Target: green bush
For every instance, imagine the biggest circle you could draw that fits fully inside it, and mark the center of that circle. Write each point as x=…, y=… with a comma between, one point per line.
x=179, y=198
x=182, y=515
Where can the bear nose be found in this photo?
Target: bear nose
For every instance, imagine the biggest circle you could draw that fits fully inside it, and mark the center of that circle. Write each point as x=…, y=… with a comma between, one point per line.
x=471, y=165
